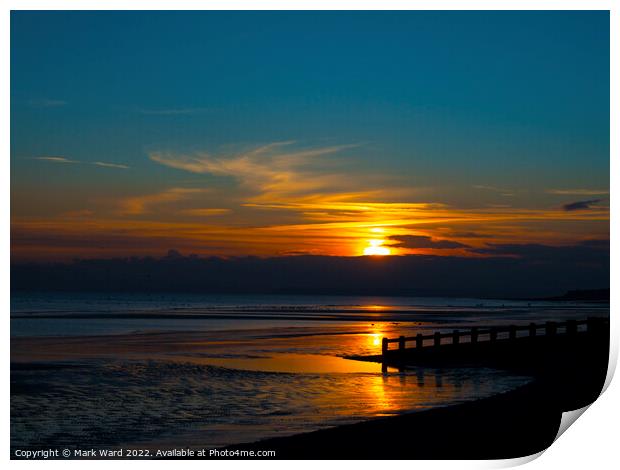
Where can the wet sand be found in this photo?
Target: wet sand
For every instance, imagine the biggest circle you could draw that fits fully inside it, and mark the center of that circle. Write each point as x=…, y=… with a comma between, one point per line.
x=512, y=424
x=228, y=387
x=212, y=389
x=509, y=425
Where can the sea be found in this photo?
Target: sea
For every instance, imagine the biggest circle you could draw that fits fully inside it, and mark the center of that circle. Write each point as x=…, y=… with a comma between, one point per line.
x=163, y=371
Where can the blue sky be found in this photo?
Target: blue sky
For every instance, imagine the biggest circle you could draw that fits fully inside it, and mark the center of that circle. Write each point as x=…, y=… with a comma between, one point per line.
x=461, y=108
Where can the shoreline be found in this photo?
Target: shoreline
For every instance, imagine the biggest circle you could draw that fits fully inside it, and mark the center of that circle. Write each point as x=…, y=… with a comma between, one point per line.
x=516, y=423
x=511, y=424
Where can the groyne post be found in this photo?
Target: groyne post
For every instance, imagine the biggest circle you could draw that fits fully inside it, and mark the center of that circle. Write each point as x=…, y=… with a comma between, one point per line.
x=512, y=332
x=474, y=334
x=552, y=329
x=456, y=337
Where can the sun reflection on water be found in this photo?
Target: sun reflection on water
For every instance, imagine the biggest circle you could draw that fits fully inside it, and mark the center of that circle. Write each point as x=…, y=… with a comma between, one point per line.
x=374, y=337
x=375, y=307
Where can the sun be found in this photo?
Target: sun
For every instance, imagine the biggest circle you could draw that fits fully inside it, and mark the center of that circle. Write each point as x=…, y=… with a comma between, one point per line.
x=374, y=248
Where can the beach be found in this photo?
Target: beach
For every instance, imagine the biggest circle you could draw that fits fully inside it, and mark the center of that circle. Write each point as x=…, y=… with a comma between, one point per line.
x=513, y=424
x=213, y=377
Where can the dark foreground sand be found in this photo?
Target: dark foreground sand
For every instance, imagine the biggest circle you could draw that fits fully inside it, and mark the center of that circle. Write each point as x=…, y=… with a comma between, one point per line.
x=513, y=424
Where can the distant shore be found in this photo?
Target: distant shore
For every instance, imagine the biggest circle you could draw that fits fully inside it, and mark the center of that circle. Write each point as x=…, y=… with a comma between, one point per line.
x=592, y=295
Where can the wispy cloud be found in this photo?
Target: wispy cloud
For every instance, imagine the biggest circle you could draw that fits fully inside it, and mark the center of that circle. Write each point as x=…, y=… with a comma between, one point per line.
x=578, y=192
x=467, y=235
x=59, y=159
x=578, y=253
x=46, y=103
x=56, y=159
x=421, y=241
x=110, y=165
x=78, y=213
x=206, y=212
x=138, y=205
x=580, y=205
x=272, y=172
x=290, y=199
x=301, y=194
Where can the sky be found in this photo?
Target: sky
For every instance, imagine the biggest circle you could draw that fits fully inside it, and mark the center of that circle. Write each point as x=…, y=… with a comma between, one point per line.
x=320, y=133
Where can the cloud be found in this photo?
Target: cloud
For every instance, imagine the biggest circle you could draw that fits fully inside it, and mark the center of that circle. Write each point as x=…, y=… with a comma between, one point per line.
x=584, y=252
x=272, y=172
x=467, y=235
x=78, y=213
x=56, y=159
x=578, y=192
x=564, y=268
x=290, y=199
x=138, y=205
x=110, y=165
x=580, y=205
x=603, y=244
x=421, y=241
x=46, y=103
x=207, y=212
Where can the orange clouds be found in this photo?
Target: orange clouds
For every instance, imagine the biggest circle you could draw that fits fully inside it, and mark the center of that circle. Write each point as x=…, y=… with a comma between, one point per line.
x=285, y=200
x=270, y=172
x=205, y=212
x=143, y=204
x=348, y=236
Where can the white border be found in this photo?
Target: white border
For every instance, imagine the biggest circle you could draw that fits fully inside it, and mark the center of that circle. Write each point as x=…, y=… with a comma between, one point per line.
x=592, y=442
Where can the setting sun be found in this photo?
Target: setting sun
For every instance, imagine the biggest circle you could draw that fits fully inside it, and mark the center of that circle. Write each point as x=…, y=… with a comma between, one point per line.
x=375, y=248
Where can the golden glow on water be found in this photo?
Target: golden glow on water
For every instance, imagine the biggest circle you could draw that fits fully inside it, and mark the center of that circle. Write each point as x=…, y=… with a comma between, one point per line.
x=315, y=390
x=365, y=342
x=380, y=396
x=295, y=363
x=375, y=336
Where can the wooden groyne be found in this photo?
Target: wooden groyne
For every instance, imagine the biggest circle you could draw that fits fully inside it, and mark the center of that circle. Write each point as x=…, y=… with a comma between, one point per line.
x=476, y=334
x=512, y=344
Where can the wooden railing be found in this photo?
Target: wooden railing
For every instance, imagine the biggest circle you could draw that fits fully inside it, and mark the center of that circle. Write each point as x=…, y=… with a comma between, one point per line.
x=476, y=334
